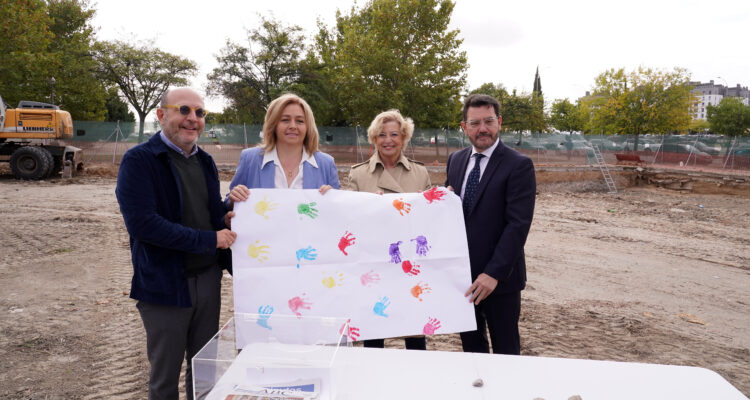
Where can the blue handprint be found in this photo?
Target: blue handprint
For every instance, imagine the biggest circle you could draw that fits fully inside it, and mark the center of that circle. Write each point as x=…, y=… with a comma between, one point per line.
x=380, y=306
x=307, y=254
x=264, y=314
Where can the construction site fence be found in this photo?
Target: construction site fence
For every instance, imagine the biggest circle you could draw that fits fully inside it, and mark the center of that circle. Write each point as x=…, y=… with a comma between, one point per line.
x=108, y=141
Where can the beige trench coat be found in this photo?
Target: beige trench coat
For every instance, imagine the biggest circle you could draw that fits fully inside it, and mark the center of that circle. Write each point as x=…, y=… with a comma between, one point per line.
x=408, y=176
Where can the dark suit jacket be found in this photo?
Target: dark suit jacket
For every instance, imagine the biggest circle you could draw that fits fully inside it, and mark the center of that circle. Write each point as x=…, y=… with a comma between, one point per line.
x=499, y=221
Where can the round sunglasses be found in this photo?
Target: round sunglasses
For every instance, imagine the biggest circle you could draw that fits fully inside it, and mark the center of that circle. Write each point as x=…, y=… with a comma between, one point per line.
x=185, y=110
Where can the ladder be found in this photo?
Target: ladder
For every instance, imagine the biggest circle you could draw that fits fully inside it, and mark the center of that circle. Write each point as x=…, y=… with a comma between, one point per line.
x=605, y=171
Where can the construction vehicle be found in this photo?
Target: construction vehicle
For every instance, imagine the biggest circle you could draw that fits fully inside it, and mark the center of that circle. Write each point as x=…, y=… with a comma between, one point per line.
x=30, y=140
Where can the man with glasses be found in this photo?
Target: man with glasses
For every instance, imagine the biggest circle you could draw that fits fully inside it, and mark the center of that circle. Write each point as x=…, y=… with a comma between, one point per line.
x=498, y=187
x=168, y=190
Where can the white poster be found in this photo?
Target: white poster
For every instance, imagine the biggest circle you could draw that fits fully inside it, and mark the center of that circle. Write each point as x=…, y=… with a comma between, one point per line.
x=393, y=265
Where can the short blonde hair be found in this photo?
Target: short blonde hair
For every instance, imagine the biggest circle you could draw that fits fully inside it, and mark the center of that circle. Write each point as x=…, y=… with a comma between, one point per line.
x=407, y=125
x=273, y=116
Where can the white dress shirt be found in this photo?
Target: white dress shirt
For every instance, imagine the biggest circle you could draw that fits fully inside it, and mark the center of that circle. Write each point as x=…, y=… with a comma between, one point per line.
x=279, y=176
x=482, y=163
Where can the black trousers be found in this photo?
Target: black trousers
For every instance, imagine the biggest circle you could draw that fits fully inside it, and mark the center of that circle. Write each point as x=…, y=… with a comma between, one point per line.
x=174, y=334
x=500, y=313
x=412, y=343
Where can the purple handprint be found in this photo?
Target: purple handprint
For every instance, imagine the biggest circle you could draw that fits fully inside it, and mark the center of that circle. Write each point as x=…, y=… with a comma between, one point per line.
x=395, y=252
x=422, y=246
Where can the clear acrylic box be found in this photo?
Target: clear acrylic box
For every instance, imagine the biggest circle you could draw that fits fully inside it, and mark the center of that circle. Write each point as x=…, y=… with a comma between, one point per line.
x=252, y=352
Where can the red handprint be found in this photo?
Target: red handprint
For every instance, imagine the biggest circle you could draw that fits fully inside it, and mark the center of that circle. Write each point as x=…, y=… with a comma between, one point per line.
x=346, y=241
x=369, y=278
x=401, y=206
x=433, y=194
x=410, y=269
x=352, y=332
x=296, y=303
x=431, y=326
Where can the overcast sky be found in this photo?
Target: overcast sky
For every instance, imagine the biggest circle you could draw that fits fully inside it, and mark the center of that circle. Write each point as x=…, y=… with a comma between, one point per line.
x=571, y=41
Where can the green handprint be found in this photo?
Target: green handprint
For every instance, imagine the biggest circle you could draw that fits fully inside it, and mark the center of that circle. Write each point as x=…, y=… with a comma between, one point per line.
x=308, y=209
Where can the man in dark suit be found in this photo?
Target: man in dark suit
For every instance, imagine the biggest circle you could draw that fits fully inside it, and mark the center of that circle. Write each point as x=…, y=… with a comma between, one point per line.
x=498, y=188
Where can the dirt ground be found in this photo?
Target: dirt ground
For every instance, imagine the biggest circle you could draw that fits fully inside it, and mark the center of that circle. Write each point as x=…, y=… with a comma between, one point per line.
x=645, y=275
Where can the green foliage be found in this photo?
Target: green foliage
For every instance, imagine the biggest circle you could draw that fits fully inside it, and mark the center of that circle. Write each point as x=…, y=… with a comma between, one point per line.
x=643, y=101
x=250, y=77
x=141, y=72
x=566, y=116
x=117, y=110
x=730, y=117
x=390, y=54
x=76, y=87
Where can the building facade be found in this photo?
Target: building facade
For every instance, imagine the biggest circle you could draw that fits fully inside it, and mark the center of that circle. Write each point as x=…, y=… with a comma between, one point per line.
x=711, y=94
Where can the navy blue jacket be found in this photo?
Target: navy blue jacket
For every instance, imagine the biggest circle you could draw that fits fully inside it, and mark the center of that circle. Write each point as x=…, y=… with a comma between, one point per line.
x=150, y=197
x=498, y=223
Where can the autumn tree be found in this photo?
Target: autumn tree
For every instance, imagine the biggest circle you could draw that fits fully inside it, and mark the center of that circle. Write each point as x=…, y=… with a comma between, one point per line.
x=250, y=77
x=643, y=101
x=393, y=54
x=142, y=73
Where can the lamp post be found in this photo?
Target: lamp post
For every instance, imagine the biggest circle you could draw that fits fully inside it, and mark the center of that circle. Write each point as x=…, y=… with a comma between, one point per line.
x=52, y=90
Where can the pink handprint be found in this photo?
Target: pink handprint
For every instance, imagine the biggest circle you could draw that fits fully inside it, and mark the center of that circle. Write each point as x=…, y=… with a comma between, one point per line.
x=352, y=332
x=369, y=278
x=299, y=302
x=431, y=326
x=409, y=268
x=401, y=206
x=433, y=194
x=346, y=241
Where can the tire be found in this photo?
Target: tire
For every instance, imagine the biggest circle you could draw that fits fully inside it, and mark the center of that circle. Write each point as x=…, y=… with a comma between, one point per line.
x=31, y=163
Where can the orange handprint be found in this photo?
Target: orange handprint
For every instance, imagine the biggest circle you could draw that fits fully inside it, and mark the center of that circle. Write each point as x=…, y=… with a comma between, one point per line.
x=420, y=289
x=401, y=206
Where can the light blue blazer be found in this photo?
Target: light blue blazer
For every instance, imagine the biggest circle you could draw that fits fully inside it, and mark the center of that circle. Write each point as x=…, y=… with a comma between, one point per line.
x=250, y=173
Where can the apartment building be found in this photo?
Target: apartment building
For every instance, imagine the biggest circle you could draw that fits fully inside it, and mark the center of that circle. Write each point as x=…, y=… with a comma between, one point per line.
x=711, y=94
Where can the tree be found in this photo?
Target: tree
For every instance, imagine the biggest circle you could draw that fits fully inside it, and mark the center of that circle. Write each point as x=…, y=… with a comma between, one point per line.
x=394, y=54
x=730, y=117
x=643, y=101
x=565, y=116
x=117, y=110
x=250, y=77
x=520, y=112
x=24, y=41
x=76, y=88
x=142, y=73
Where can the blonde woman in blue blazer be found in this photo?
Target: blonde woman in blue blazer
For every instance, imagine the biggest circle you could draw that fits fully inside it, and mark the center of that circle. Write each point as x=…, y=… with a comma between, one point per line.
x=288, y=158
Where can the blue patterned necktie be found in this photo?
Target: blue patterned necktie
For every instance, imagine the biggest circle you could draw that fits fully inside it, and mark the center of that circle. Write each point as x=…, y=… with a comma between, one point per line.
x=470, y=192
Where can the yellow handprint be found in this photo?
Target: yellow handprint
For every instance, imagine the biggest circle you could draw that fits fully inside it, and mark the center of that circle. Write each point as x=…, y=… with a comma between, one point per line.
x=264, y=206
x=258, y=252
x=330, y=281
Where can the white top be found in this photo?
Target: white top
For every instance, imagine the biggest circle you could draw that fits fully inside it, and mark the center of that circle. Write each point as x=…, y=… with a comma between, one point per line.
x=482, y=163
x=279, y=176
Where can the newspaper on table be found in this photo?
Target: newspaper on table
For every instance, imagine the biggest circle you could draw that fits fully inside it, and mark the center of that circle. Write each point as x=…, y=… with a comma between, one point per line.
x=302, y=389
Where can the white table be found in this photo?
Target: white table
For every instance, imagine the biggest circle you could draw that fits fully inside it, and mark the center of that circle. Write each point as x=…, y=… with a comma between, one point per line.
x=363, y=373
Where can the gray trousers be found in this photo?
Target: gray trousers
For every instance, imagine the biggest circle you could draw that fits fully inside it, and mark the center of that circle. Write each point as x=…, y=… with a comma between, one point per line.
x=176, y=333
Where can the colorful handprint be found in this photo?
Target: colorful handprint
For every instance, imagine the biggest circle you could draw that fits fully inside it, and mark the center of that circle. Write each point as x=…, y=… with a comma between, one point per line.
x=264, y=206
x=420, y=289
x=350, y=331
x=395, y=253
x=334, y=280
x=369, y=278
x=401, y=206
x=433, y=194
x=380, y=306
x=346, y=241
x=410, y=269
x=258, y=252
x=308, y=209
x=431, y=326
x=422, y=246
x=298, y=303
x=307, y=253
x=264, y=313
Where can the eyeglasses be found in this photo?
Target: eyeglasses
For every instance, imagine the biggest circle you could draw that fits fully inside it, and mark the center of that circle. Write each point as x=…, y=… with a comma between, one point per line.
x=185, y=110
x=475, y=123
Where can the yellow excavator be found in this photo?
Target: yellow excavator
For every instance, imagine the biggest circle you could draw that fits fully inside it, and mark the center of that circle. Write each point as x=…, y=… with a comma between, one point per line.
x=30, y=139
